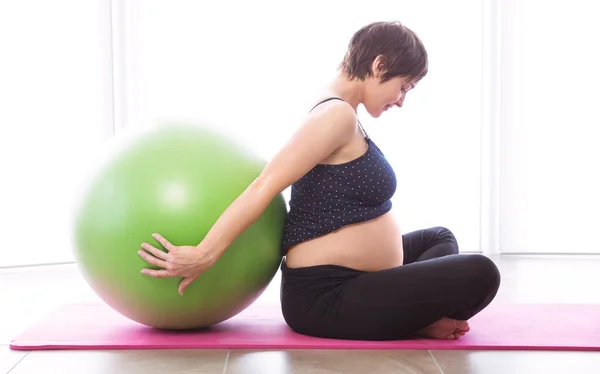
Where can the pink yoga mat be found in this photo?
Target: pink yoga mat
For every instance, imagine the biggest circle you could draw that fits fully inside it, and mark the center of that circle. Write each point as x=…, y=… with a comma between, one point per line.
x=500, y=326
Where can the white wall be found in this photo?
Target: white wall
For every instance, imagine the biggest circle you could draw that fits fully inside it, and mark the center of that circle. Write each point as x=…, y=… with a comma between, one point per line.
x=549, y=127
x=55, y=106
x=238, y=67
x=235, y=66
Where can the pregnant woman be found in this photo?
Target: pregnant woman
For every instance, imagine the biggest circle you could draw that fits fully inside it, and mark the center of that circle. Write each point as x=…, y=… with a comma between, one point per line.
x=349, y=272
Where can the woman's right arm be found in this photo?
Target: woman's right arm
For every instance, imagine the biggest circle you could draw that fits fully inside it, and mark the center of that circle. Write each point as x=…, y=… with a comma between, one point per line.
x=325, y=131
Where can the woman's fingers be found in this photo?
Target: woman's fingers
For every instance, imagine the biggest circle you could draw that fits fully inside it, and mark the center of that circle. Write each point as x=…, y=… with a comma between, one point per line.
x=155, y=251
x=158, y=258
x=157, y=273
x=165, y=243
x=159, y=262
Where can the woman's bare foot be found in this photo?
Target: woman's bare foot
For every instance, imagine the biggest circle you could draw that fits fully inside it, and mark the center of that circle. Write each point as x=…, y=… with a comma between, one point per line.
x=445, y=328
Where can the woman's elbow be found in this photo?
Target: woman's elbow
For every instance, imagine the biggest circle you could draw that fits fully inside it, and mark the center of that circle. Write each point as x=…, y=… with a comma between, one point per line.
x=265, y=189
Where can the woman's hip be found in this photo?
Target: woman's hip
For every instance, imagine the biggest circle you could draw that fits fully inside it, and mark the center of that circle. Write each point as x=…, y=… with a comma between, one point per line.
x=310, y=296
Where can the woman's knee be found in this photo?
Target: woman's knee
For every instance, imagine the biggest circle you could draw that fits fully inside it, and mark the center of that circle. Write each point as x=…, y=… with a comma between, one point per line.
x=483, y=271
x=444, y=235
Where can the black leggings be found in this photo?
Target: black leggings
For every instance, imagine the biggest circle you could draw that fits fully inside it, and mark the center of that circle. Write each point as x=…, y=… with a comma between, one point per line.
x=331, y=301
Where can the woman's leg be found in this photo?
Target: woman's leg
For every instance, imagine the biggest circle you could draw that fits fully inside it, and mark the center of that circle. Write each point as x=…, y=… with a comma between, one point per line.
x=428, y=243
x=398, y=303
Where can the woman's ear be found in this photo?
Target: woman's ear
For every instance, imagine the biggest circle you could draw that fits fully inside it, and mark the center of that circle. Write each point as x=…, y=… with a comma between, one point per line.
x=378, y=67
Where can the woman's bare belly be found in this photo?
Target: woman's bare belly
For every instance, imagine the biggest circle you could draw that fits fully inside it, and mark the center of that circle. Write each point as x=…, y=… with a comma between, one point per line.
x=368, y=246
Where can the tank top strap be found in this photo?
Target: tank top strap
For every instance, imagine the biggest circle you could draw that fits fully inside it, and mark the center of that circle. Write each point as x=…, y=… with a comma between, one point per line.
x=338, y=98
x=363, y=129
x=324, y=101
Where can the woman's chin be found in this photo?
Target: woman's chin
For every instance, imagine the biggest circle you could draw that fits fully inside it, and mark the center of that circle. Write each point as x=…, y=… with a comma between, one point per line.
x=375, y=113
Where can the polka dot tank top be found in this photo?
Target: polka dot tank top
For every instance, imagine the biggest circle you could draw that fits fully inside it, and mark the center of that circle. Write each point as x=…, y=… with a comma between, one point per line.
x=329, y=197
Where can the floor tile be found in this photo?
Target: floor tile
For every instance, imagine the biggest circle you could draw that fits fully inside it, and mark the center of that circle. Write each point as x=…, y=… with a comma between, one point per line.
x=517, y=362
x=124, y=362
x=33, y=292
x=330, y=361
x=9, y=358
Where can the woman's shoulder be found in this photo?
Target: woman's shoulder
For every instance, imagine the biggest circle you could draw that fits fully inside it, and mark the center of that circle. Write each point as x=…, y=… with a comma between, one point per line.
x=329, y=100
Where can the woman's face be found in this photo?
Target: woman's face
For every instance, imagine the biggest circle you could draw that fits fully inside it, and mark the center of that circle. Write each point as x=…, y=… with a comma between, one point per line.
x=383, y=96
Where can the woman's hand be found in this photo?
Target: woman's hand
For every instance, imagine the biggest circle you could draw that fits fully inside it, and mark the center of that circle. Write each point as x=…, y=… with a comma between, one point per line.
x=179, y=261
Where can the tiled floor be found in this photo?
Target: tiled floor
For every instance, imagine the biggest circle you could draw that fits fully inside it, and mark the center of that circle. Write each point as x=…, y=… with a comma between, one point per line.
x=27, y=294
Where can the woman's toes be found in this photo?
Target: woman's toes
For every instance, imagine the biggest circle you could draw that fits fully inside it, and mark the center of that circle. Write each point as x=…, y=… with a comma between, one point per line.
x=461, y=325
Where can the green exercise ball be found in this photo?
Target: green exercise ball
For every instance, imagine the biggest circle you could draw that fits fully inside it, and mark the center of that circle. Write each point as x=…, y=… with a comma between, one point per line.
x=175, y=180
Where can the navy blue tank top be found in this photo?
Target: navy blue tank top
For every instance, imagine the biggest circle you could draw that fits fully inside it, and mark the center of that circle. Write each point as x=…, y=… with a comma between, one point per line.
x=329, y=197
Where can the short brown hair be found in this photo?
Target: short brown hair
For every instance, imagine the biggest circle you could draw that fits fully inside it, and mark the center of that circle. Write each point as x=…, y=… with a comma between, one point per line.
x=403, y=53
